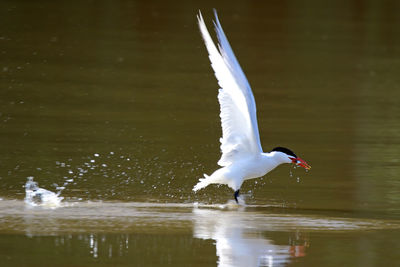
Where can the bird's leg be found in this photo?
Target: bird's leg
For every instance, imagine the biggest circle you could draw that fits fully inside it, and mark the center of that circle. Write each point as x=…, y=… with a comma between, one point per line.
x=236, y=195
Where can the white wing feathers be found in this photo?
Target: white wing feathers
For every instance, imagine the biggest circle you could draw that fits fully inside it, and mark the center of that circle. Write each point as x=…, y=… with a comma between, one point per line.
x=240, y=137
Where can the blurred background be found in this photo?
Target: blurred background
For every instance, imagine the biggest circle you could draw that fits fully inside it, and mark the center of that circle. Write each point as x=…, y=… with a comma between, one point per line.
x=130, y=81
x=116, y=101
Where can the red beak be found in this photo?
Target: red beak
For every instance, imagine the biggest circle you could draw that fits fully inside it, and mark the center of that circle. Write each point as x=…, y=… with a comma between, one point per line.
x=301, y=163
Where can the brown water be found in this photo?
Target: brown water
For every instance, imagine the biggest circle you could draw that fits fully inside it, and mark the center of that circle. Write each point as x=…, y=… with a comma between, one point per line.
x=119, y=97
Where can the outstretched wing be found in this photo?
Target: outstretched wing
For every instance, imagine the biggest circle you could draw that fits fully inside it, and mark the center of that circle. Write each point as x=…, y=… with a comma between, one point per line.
x=240, y=137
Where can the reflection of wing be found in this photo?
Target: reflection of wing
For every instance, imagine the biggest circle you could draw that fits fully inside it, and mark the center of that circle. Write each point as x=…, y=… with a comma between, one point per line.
x=240, y=135
x=235, y=244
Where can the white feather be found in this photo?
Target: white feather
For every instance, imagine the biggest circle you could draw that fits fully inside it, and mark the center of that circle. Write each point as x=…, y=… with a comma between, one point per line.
x=240, y=135
x=242, y=156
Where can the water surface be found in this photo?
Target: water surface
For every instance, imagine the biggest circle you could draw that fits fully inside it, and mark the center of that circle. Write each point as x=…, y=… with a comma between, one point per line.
x=115, y=105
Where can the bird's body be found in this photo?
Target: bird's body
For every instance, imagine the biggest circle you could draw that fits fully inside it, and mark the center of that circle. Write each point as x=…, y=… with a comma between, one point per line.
x=242, y=155
x=235, y=174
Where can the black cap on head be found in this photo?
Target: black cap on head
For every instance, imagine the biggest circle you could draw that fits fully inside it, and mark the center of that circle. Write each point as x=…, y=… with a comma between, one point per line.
x=284, y=150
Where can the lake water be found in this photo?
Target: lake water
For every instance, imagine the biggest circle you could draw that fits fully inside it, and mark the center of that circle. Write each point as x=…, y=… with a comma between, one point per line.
x=114, y=105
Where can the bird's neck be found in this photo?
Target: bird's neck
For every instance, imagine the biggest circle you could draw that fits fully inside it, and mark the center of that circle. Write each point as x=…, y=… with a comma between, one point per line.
x=270, y=161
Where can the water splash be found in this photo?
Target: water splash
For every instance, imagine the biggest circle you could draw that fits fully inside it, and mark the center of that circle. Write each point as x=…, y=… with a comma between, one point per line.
x=36, y=196
x=292, y=172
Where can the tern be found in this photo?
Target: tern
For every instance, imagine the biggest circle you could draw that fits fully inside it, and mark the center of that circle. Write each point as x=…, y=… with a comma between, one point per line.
x=242, y=155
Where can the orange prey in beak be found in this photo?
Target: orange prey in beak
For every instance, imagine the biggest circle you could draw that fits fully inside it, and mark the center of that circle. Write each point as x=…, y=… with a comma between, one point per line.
x=301, y=163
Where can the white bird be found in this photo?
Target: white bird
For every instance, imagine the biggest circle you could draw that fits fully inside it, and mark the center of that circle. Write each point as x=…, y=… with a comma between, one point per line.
x=242, y=155
x=36, y=196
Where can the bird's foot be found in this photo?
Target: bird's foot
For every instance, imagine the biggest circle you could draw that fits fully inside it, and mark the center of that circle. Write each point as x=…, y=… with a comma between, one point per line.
x=236, y=196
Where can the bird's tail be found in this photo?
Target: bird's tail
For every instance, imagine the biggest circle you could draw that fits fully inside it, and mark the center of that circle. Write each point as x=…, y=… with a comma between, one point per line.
x=203, y=182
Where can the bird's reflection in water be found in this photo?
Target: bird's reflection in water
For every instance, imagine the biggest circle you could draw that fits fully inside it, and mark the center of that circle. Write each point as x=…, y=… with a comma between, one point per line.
x=239, y=243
